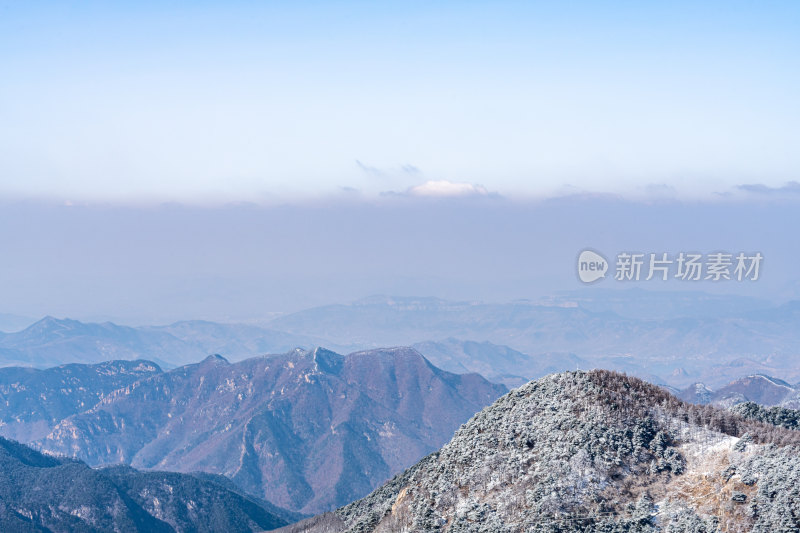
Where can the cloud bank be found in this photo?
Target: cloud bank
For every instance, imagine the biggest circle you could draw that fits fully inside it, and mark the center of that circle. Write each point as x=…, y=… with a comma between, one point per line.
x=791, y=187
x=447, y=189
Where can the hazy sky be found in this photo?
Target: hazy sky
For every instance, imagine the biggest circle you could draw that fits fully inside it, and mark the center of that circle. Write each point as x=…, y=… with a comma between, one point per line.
x=229, y=160
x=269, y=101
x=243, y=262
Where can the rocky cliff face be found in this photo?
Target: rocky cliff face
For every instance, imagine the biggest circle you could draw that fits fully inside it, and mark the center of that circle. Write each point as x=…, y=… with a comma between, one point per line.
x=33, y=401
x=591, y=451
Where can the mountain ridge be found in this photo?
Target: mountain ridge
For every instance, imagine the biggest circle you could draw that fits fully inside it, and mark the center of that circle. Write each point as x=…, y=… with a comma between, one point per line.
x=689, y=340
x=45, y=493
x=590, y=451
x=759, y=388
x=306, y=430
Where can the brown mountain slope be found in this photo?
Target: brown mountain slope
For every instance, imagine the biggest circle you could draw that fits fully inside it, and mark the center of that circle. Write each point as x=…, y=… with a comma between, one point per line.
x=306, y=430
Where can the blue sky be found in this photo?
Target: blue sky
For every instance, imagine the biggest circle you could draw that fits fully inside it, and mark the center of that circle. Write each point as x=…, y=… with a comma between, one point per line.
x=209, y=102
x=229, y=160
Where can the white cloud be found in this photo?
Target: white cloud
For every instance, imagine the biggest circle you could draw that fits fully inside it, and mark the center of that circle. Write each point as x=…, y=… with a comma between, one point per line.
x=447, y=188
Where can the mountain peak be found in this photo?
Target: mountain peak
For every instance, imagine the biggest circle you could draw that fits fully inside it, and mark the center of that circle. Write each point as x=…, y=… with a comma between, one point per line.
x=561, y=454
x=395, y=351
x=327, y=361
x=48, y=328
x=281, y=416
x=50, y=321
x=769, y=379
x=215, y=359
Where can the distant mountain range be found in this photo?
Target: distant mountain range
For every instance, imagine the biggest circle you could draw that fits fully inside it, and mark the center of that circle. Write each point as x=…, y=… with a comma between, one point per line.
x=590, y=451
x=495, y=362
x=307, y=430
x=46, y=494
x=51, y=342
x=714, y=347
x=660, y=305
x=674, y=339
x=760, y=389
x=311, y=430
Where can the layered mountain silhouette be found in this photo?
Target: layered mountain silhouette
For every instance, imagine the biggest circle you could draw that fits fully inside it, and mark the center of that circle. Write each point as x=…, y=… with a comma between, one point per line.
x=39, y=493
x=497, y=363
x=307, y=430
x=695, y=337
x=761, y=389
x=52, y=341
x=672, y=339
x=591, y=451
